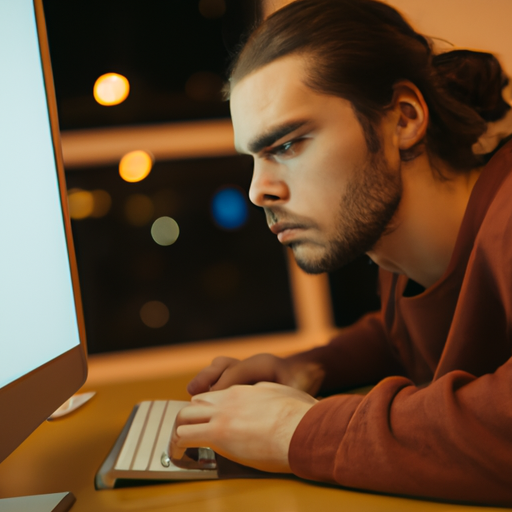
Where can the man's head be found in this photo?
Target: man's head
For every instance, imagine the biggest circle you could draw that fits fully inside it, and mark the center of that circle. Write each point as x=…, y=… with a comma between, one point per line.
x=331, y=96
x=324, y=193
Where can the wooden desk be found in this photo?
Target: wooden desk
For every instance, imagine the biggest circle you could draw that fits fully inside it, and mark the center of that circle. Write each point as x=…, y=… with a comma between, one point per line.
x=65, y=454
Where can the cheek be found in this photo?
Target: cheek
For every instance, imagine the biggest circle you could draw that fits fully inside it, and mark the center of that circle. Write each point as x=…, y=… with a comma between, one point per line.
x=341, y=154
x=320, y=176
x=316, y=189
x=324, y=176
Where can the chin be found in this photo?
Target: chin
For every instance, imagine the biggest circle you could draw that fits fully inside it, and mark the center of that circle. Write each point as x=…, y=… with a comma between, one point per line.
x=309, y=267
x=310, y=261
x=323, y=260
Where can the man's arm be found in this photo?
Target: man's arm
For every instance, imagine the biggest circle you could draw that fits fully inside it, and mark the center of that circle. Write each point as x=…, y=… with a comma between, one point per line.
x=451, y=440
x=359, y=355
x=254, y=425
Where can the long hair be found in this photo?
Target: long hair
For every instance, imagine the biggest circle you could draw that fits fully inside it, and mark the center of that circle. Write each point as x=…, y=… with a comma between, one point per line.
x=359, y=49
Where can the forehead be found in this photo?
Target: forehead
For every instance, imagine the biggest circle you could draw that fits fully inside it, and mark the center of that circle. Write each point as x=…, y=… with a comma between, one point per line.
x=272, y=96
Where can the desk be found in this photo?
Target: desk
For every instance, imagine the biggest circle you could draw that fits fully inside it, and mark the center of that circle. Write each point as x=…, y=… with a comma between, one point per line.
x=65, y=454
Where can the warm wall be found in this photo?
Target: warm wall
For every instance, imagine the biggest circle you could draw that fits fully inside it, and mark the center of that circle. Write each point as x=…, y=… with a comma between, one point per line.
x=475, y=24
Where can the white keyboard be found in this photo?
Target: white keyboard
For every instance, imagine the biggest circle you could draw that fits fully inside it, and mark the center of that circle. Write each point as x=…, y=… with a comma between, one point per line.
x=141, y=450
x=149, y=435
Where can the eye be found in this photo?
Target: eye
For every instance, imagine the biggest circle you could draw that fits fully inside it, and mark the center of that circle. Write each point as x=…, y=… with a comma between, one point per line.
x=289, y=149
x=283, y=148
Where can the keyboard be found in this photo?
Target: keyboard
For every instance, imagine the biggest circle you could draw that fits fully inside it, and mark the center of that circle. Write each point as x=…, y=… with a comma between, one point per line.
x=148, y=438
x=141, y=451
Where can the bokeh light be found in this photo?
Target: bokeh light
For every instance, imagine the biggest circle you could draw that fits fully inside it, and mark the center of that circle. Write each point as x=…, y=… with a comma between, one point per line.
x=84, y=204
x=135, y=166
x=138, y=209
x=111, y=89
x=102, y=203
x=154, y=314
x=81, y=203
x=229, y=208
x=212, y=9
x=165, y=231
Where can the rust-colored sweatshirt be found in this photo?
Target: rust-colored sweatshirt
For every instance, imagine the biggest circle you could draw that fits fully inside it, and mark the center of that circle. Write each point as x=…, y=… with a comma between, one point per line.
x=451, y=438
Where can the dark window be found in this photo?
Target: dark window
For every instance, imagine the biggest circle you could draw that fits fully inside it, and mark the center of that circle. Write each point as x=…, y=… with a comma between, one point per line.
x=214, y=282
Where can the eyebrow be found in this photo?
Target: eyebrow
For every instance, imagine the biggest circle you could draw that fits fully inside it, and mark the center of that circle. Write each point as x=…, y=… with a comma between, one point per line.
x=274, y=134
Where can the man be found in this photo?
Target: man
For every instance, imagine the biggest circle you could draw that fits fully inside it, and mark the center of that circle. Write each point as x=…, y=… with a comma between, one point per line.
x=364, y=142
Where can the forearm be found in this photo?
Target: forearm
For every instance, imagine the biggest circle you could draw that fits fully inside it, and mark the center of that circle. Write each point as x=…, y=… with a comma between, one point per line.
x=450, y=440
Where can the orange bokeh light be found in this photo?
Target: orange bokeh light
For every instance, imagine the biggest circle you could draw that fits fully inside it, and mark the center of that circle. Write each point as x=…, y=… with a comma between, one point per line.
x=81, y=203
x=111, y=89
x=135, y=166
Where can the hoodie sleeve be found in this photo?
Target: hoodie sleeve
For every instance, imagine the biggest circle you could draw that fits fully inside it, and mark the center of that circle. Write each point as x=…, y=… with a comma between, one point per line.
x=451, y=440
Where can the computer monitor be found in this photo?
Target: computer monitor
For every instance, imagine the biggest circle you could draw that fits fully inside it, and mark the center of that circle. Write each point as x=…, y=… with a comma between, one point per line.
x=42, y=337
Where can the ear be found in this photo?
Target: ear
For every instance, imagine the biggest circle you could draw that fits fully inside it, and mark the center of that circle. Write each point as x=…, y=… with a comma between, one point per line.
x=412, y=113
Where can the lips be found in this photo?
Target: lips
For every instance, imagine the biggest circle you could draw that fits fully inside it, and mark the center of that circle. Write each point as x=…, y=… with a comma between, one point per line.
x=285, y=231
x=278, y=227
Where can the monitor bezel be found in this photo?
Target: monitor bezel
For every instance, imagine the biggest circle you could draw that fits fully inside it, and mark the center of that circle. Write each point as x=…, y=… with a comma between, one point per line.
x=28, y=401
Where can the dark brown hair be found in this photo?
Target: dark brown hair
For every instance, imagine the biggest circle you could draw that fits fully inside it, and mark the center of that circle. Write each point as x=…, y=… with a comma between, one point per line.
x=359, y=49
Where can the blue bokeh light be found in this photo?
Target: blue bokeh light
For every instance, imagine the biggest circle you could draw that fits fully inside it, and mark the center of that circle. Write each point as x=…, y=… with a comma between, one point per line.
x=229, y=208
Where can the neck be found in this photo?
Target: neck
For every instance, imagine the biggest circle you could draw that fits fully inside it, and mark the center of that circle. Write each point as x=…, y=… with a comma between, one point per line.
x=427, y=223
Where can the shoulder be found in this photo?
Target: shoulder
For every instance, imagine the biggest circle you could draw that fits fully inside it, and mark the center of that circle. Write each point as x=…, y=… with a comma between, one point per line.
x=502, y=158
x=493, y=239
x=501, y=165
x=493, y=185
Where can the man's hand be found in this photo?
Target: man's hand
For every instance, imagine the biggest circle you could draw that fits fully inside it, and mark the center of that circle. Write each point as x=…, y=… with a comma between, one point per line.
x=225, y=372
x=252, y=425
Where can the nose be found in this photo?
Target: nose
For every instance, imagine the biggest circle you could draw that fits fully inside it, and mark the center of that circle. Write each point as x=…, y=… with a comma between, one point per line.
x=267, y=186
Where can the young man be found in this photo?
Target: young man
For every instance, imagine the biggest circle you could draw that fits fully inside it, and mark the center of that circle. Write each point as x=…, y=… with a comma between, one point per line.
x=364, y=142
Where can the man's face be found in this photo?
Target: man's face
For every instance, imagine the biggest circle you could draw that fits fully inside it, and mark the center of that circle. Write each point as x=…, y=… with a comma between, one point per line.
x=324, y=194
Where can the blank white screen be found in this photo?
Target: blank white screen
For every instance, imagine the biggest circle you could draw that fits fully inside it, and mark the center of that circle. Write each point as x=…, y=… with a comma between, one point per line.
x=37, y=310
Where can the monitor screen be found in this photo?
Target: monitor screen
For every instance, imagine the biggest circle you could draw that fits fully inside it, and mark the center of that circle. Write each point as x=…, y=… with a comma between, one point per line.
x=42, y=343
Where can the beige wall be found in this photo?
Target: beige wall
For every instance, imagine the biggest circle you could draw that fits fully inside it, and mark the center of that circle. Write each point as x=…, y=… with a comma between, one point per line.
x=270, y=6
x=477, y=24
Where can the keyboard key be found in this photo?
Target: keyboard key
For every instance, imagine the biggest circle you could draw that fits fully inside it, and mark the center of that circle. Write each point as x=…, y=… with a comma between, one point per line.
x=147, y=443
x=124, y=461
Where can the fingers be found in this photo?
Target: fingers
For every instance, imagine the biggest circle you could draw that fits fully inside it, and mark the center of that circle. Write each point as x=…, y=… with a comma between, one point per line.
x=252, y=425
x=190, y=421
x=190, y=436
x=206, y=378
x=254, y=369
x=176, y=452
x=196, y=412
x=187, y=436
x=225, y=372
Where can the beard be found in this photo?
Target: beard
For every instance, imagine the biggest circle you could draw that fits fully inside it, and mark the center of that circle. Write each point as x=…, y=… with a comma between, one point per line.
x=364, y=215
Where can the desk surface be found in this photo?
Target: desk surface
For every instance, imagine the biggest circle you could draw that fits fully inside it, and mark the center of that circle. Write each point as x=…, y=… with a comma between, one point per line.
x=65, y=454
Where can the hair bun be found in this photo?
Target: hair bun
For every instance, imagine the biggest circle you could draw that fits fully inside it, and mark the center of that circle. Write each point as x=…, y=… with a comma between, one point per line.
x=475, y=79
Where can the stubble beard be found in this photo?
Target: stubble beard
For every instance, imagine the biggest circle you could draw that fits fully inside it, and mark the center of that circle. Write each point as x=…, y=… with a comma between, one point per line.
x=364, y=215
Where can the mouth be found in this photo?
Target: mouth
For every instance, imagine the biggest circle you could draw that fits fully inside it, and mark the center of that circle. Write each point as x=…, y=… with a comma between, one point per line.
x=285, y=231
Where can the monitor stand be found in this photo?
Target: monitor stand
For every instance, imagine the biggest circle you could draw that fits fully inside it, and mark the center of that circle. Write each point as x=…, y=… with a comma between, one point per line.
x=59, y=502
